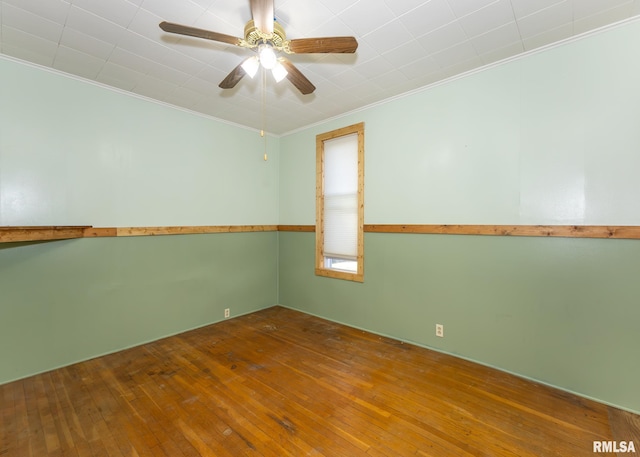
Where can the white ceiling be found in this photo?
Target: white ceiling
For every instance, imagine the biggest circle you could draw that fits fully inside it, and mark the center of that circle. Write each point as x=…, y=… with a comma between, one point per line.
x=403, y=45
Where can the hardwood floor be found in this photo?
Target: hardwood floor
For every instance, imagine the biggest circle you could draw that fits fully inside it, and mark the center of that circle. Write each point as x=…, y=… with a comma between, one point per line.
x=282, y=383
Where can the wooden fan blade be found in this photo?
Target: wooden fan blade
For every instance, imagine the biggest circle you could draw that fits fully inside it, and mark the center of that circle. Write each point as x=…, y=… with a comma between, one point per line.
x=339, y=44
x=297, y=78
x=262, y=13
x=199, y=33
x=233, y=78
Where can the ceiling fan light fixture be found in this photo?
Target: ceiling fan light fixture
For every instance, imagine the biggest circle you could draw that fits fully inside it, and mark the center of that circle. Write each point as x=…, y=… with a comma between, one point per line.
x=268, y=58
x=251, y=65
x=267, y=38
x=279, y=72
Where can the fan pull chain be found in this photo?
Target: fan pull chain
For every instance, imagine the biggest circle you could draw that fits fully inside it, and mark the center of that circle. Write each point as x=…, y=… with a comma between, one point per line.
x=264, y=111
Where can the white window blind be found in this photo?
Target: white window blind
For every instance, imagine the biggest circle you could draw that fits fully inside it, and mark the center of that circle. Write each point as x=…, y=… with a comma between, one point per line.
x=341, y=197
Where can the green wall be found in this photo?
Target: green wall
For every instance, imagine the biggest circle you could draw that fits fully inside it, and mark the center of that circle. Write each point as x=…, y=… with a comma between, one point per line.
x=66, y=301
x=548, y=138
x=76, y=153
x=561, y=311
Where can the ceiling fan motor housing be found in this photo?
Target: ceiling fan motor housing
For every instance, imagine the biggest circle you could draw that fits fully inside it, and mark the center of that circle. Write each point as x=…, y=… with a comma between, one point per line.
x=254, y=36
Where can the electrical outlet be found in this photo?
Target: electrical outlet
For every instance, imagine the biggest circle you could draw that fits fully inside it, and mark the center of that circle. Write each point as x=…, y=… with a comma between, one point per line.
x=440, y=330
x=227, y=313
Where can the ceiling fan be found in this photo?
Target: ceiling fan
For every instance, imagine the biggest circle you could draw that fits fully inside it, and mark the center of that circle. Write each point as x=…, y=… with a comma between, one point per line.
x=265, y=36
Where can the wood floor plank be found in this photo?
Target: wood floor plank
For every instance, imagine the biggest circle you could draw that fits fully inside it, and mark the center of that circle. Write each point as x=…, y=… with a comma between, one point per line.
x=625, y=426
x=409, y=416
x=9, y=429
x=59, y=415
x=280, y=383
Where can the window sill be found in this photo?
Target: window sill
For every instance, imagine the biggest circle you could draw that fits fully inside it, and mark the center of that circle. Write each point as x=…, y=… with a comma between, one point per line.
x=335, y=274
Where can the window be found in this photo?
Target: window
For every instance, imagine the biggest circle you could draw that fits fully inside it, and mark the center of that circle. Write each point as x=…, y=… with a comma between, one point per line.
x=340, y=203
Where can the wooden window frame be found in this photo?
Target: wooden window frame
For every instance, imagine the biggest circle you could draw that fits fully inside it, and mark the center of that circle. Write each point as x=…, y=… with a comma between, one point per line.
x=320, y=268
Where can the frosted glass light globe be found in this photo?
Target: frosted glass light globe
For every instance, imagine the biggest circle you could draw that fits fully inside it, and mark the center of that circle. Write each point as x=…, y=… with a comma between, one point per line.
x=267, y=56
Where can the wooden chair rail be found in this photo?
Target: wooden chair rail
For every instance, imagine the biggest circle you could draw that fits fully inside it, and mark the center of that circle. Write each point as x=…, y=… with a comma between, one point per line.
x=43, y=233
x=567, y=231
